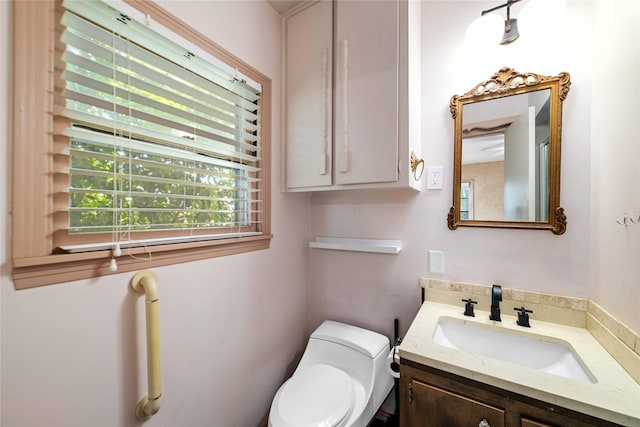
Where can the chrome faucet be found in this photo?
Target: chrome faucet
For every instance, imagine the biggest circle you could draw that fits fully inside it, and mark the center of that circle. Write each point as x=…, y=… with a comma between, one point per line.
x=496, y=297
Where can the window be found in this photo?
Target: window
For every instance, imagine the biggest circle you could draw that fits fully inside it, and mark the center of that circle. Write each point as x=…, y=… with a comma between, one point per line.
x=145, y=137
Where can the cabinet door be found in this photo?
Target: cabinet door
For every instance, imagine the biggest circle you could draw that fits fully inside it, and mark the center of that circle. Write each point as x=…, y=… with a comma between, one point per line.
x=308, y=92
x=366, y=95
x=430, y=406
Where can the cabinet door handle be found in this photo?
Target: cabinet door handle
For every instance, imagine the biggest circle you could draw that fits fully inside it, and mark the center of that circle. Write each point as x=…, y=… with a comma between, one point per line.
x=484, y=423
x=327, y=113
x=343, y=158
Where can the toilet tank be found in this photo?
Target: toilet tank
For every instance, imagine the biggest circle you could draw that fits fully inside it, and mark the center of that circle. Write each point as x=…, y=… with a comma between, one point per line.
x=359, y=352
x=369, y=343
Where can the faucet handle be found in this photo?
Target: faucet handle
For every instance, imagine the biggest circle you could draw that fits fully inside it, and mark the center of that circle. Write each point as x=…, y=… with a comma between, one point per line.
x=523, y=316
x=496, y=294
x=468, y=307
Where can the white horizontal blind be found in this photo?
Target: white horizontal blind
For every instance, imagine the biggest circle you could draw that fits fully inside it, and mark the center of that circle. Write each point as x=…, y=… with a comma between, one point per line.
x=160, y=138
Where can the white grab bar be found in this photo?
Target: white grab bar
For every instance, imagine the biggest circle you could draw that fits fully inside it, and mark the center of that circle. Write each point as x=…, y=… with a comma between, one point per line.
x=146, y=282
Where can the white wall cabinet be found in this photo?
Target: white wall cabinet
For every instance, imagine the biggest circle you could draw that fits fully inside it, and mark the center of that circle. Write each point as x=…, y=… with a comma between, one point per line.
x=308, y=117
x=352, y=95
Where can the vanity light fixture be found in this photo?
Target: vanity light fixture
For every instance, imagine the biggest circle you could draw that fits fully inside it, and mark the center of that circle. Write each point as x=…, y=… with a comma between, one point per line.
x=490, y=27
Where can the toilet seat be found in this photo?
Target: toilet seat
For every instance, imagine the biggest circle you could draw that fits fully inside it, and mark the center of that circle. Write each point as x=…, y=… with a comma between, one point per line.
x=319, y=395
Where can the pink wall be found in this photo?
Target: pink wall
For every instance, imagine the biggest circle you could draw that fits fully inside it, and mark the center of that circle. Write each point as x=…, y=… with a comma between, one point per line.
x=373, y=289
x=615, y=159
x=71, y=353
x=74, y=355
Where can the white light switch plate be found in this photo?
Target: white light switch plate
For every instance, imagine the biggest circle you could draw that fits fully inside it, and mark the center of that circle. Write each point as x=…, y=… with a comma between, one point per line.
x=435, y=177
x=436, y=262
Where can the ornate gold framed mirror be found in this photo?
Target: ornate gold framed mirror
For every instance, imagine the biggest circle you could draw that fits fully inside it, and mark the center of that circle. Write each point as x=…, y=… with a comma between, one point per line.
x=506, y=163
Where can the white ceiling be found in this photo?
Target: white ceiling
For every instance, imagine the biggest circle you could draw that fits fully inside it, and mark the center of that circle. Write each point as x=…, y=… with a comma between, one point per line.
x=483, y=149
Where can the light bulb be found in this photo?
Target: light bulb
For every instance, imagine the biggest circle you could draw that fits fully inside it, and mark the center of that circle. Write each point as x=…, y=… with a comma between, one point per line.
x=113, y=265
x=484, y=32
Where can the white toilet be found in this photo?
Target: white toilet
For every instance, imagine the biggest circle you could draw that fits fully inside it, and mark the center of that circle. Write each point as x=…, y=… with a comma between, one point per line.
x=341, y=380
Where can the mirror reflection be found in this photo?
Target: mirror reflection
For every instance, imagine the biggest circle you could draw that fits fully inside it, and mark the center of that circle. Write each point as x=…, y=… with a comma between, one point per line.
x=507, y=140
x=505, y=158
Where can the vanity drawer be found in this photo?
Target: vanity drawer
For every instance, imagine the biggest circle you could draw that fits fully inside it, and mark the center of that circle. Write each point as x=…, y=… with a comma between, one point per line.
x=432, y=406
x=526, y=422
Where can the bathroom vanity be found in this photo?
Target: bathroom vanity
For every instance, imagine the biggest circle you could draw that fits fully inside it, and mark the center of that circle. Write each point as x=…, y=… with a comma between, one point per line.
x=444, y=383
x=430, y=397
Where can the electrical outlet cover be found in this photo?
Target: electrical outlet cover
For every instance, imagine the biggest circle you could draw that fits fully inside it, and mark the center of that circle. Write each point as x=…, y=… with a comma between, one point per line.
x=435, y=177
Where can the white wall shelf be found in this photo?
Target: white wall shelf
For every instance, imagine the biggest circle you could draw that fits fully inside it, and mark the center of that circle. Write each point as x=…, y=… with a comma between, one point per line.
x=392, y=247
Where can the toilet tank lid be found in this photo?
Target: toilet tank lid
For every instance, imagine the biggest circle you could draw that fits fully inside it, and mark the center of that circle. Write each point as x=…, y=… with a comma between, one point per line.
x=366, y=342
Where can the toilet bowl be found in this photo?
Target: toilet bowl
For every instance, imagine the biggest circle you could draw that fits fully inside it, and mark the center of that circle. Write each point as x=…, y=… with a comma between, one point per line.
x=341, y=380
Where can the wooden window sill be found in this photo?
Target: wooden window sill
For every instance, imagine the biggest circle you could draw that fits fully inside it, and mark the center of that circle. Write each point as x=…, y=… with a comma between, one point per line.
x=51, y=269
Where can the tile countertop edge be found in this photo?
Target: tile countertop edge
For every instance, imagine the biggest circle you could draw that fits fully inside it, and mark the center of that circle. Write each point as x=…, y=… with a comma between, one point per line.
x=611, y=398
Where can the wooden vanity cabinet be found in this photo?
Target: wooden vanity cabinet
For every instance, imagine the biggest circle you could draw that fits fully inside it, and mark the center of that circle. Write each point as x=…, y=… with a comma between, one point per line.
x=447, y=409
x=347, y=118
x=532, y=423
x=433, y=398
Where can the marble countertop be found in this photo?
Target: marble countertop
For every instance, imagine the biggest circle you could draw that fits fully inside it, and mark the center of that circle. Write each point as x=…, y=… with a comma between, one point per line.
x=614, y=397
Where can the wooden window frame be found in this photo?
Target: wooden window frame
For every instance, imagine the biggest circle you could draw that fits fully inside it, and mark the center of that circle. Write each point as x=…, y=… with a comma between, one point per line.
x=34, y=164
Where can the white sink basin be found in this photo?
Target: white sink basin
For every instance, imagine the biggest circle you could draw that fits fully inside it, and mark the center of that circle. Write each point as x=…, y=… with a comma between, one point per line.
x=521, y=349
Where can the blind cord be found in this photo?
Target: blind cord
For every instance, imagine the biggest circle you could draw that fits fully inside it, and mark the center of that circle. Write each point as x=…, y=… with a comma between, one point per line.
x=116, y=251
